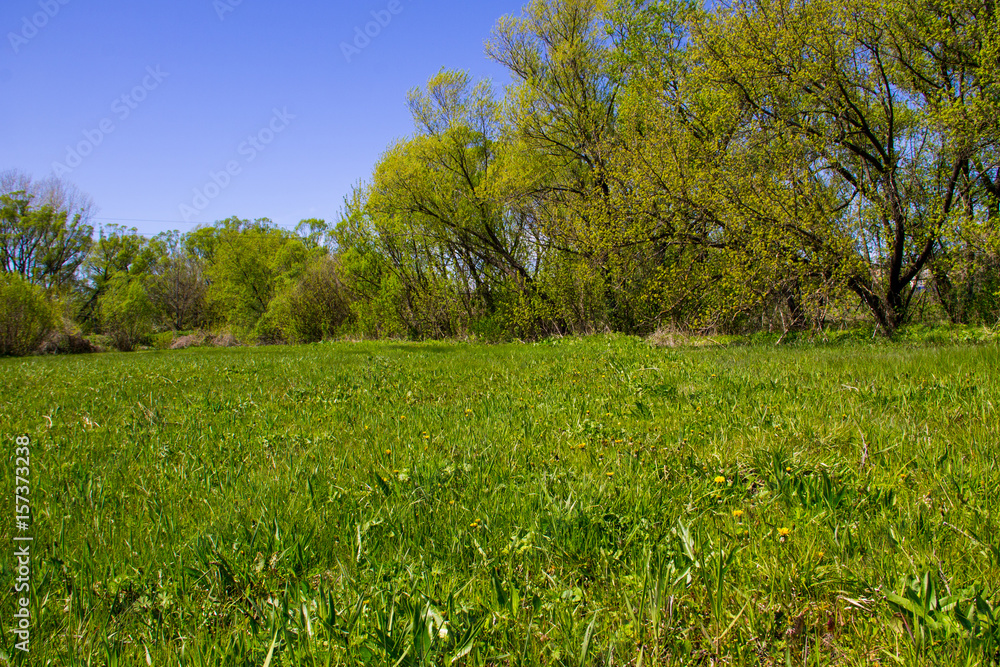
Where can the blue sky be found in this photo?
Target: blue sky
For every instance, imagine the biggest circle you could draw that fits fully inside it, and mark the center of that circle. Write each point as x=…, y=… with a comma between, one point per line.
x=192, y=111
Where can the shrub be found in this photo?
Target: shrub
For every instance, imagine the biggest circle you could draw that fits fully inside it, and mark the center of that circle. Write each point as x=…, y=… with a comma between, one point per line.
x=26, y=317
x=314, y=308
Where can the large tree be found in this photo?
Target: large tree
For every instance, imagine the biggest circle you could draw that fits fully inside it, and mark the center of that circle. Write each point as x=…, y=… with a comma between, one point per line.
x=45, y=233
x=875, y=101
x=248, y=264
x=438, y=204
x=177, y=286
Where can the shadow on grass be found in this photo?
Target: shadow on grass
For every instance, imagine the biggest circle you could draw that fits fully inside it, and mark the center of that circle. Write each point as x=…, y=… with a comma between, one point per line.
x=436, y=348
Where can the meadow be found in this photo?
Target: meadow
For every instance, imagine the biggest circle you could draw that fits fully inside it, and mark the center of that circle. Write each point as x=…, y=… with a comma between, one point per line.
x=584, y=501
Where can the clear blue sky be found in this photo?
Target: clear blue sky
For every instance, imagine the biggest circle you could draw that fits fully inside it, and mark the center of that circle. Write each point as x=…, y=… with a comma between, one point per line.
x=207, y=84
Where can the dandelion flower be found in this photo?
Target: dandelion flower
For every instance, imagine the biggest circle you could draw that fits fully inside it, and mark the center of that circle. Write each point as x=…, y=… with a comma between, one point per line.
x=820, y=554
x=388, y=452
x=784, y=532
x=737, y=513
x=720, y=480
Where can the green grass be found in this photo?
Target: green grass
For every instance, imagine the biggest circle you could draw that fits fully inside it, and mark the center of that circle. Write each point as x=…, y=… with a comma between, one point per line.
x=578, y=501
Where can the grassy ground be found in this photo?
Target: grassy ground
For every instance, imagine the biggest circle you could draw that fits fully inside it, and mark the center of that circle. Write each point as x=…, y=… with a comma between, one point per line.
x=594, y=501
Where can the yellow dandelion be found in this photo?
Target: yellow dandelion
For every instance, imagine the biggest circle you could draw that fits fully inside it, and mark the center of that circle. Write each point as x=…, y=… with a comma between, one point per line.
x=720, y=480
x=737, y=513
x=784, y=532
x=820, y=554
x=388, y=452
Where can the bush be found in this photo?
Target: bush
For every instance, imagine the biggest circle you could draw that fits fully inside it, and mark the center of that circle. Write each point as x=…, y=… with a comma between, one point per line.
x=26, y=317
x=314, y=308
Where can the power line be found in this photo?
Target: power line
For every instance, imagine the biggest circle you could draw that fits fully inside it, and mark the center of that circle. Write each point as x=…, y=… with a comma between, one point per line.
x=169, y=222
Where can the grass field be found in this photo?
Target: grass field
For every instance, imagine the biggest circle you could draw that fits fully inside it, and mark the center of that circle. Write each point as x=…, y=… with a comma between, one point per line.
x=579, y=501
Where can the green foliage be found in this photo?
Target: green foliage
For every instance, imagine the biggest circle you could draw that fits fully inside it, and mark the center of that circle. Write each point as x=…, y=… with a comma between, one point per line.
x=177, y=285
x=316, y=306
x=248, y=264
x=931, y=616
x=126, y=312
x=44, y=230
x=25, y=316
x=118, y=251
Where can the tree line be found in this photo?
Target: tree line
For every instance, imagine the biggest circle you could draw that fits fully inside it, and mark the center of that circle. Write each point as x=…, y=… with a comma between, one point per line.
x=727, y=166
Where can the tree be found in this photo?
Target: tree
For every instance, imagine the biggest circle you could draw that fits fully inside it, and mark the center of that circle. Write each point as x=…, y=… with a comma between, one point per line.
x=847, y=86
x=118, y=250
x=564, y=129
x=437, y=204
x=563, y=108
x=177, y=285
x=126, y=312
x=313, y=232
x=250, y=263
x=725, y=210
x=44, y=229
x=948, y=57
